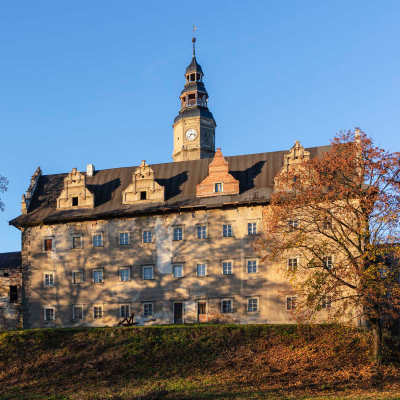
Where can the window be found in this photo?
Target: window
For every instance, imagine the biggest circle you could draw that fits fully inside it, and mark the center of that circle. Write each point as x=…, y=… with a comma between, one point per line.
x=326, y=223
x=77, y=277
x=143, y=195
x=201, y=232
x=226, y=306
x=148, y=273
x=293, y=224
x=77, y=242
x=252, y=228
x=5, y=274
x=178, y=234
x=77, y=312
x=74, y=201
x=97, y=240
x=147, y=236
x=49, y=314
x=252, y=305
x=98, y=276
x=327, y=302
x=123, y=239
x=49, y=279
x=290, y=303
x=147, y=309
x=251, y=266
x=124, y=311
x=293, y=263
x=227, y=268
x=178, y=271
x=328, y=262
x=124, y=275
x=218, y=187
x=48, y=244
x=98, y=312
x=201, y=269
x=13, y=293
x=227, y=230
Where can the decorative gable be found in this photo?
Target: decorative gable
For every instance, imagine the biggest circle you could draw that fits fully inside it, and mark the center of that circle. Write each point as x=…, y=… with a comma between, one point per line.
x=75, y=194
x=143, y=188
x=26, y=199
x=219, y=181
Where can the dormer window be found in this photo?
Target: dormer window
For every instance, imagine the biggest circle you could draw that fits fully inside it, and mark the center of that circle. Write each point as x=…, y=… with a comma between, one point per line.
x=218, y=187
x=74, y=201
x=143, y=195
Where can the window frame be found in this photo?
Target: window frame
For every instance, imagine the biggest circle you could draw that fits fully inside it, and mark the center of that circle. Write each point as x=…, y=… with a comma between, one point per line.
x=148, y=303
x=152, y=272
x=129, y=310
x=292, y=268
x=231, y=266
x=124, y=269
x=221, y=186
x=102, y=275
x=44, y=278
x=327, y=302
x=101, y=239
x=252, y=298
x=181, y=234
x=74, y=306
x=253, y=224
x=100, y=306
x=53, y=317
x=293, y=224
x=151, y=235
x=247, y=265
x=197, y=268
x=222, y=306
x=202, y=227
x=326, y=262
x=291, y=307
x=73, y=276
x=44, y=243
x=173, y=270
x=231, y=230
x=80, y=242
x=119, y=238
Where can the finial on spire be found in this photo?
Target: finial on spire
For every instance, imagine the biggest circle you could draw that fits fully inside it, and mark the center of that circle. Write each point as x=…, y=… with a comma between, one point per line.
x=193, y=40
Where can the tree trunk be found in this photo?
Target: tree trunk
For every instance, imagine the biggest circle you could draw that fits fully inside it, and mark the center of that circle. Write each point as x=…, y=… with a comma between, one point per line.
x=377, y=344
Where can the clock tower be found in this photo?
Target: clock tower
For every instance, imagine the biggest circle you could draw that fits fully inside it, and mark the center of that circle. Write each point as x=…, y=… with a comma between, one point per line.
x=194, y=127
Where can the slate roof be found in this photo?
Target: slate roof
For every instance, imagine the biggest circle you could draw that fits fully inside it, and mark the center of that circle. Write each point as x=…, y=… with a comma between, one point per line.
x=196, y=111
x=255, y=173
x=10, y=260
x=194, y=66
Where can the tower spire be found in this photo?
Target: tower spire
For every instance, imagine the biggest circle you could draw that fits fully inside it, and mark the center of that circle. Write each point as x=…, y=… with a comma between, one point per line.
x=194, y=40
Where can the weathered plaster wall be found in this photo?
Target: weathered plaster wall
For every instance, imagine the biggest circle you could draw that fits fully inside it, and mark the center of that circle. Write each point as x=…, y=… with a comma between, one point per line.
x=10, y=312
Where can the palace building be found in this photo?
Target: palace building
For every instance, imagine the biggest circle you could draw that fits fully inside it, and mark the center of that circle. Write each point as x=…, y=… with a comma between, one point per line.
x=171, y=243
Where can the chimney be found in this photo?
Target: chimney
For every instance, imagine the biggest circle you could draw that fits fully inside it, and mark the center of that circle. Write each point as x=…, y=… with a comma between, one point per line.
x=90, y=170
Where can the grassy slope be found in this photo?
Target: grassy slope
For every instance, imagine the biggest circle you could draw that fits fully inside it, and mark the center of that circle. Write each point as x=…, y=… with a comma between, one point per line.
x=199, y=361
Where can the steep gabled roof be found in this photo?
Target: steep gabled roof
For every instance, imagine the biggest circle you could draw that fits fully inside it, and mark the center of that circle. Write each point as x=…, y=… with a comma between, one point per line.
x=255, y=173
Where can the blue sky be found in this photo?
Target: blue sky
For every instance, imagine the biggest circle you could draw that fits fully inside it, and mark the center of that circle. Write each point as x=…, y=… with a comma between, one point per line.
x=99, y=81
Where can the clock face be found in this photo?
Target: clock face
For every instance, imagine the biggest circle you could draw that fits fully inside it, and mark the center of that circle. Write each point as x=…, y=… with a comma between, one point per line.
x=191, y=134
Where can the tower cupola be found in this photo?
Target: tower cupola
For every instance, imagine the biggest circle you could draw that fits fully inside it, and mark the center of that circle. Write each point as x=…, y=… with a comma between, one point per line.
x=194, y=127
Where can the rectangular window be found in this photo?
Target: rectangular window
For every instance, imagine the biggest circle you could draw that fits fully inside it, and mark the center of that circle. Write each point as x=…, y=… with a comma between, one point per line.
x=77, y=312
x=98, y=312
x=49, y=279
x=252, y=305
x=227, y=231
x=74, y=201
x=147, y=236
x=218, y=187
x=291, y=303
x=327, y=302
x=77, y=242
x=293, y=224
x=178, y=271
x=147, y=309
x=328, y=262
x=201, y=232
x=48, y=244
x=293, y=264
x=123, y=239
x=97, y=241
x=201, y=270
x=13, y=294
x=227, y=268
x=143, y=195
x=252, y=228
x=124, y=274
x=124, y=311
x=226, y=306
x=148, y=273
x=97, y=276
x=326, y=223
x=252, y=266
x=178, y=234
x=49, y=314
x=77, y=277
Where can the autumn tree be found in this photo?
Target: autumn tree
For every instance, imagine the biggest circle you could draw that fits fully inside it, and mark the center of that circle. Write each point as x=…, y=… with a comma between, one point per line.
x=340, y=213
x=3, y=188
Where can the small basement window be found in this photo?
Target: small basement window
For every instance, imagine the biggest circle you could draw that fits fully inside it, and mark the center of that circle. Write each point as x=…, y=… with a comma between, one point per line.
x=143, y=195
x=74, y=201
x=13, y=293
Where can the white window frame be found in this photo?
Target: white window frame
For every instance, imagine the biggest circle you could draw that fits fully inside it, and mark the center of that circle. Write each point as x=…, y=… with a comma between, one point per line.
x=197, y=268
x=152, y=272
x=291, y=304
x=202, y=226
x=253, y=223
x=102, y=275
x=173, y=270
x=248, y=304
x=182, y=234
x=222, y=265
x=73, y=240
x=44, y=242
x=145, y=303
x=73, y=312
x=222, y=187
x=326, y=262
x=291, y=268
x=327, y=302
x=102, y=239
x=124, y=269
x=119, y=238
x=231, y=227
x=53, y=316
x=247, y=265
x=72, y=276
x=44, y=278
x=151, y=233
x=293, y=224
x=120, y=310
x=102, y=311
x=222, y=308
